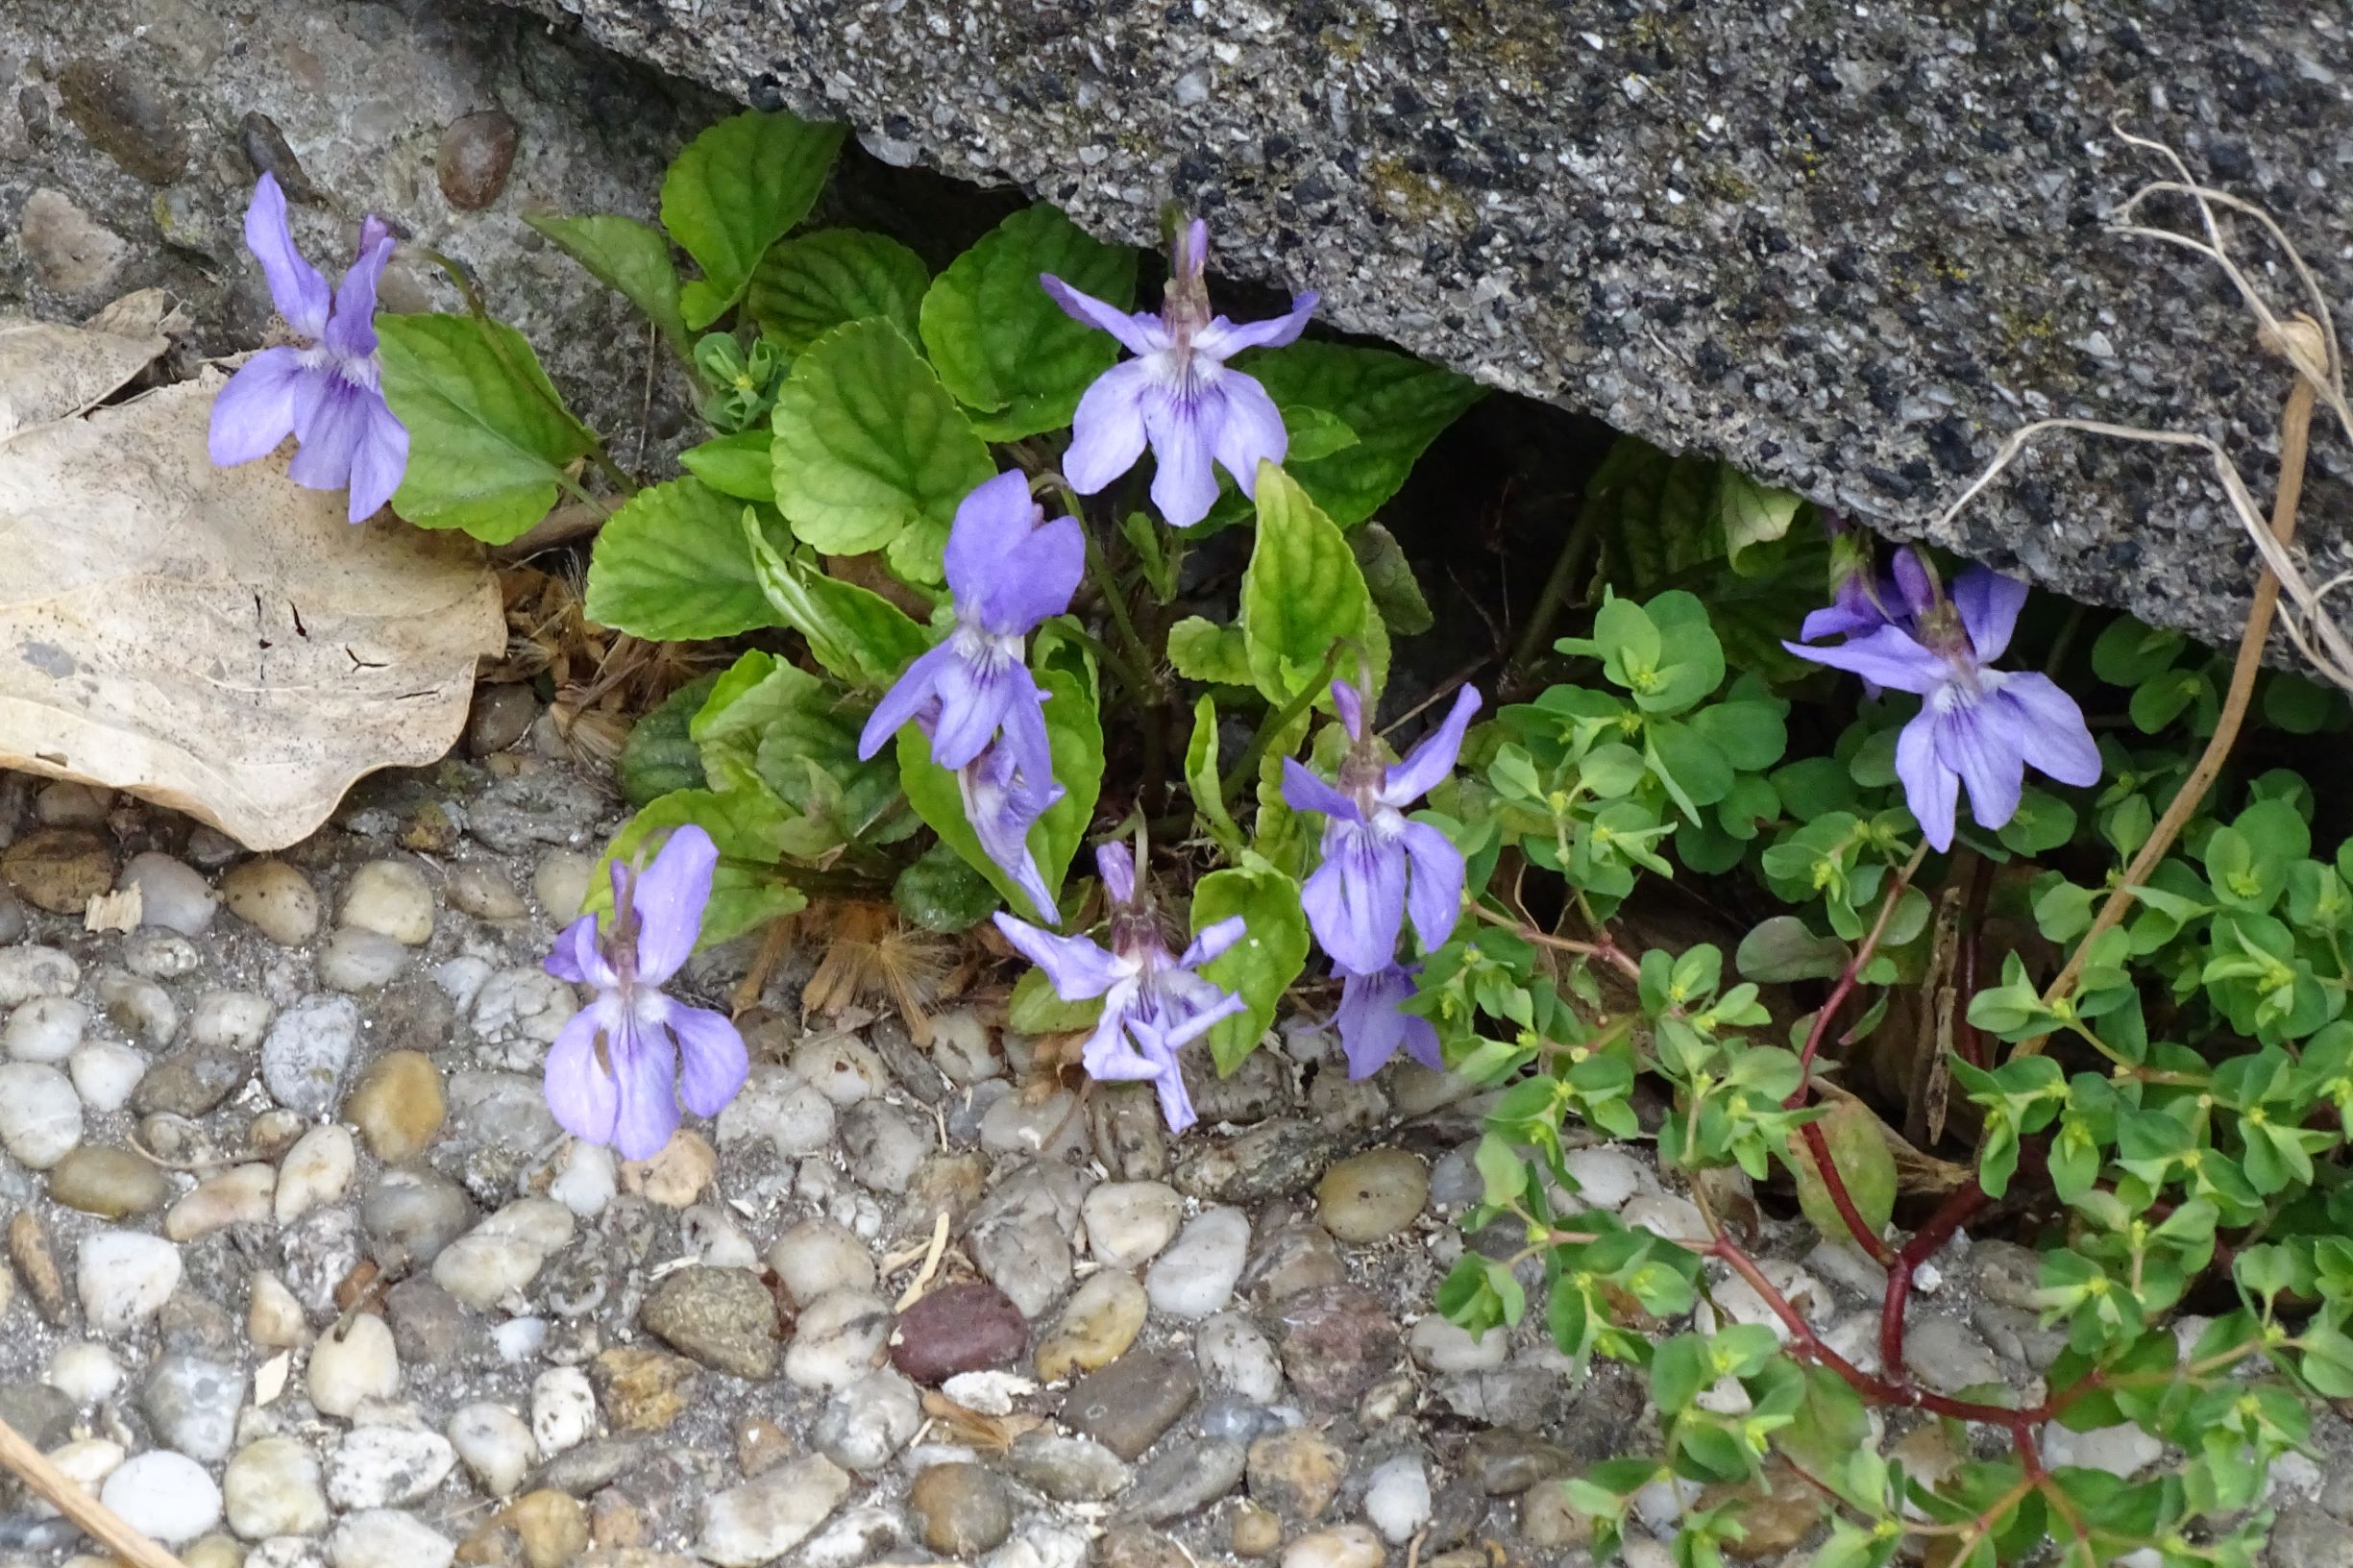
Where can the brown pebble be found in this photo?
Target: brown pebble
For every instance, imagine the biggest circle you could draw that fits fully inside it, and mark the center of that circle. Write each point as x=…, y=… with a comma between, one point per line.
x=36, y=1265
x=59, y=869
x=266, y=150
x=614, y=1522
x=478, y=153
x=760, y=1446
x=1256, y=1532
x=958, y=1328
x=554, y=1526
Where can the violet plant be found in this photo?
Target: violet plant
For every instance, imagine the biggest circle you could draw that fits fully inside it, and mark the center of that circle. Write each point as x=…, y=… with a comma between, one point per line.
x=982, y=651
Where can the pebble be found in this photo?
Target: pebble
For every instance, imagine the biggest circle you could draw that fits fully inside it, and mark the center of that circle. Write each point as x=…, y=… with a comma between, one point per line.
x=842, y=1068
x=11, y=915
x=723, y=1317
x=273, y=1317
x=1129, y=1222
x=166, y=1495
x=192, y=1082
x=307, y=1049
x=1095, y=1327
x=780, y=1106
x=59, y=869
x=1607, y=1177
x=40, y=1116
x=675, y=1177
x=396, y=1105
x=1397, y=1497
x=764, y=1518
x=588, y=1181
x=124, y=1278
x=86, y=1463
x=160, y=955
x=1337, y=1342
x=2123, y=1450
x=411, y=1215
x=392, y=898
x=560, y=882
x=1197, y=1276
x=1254, y=1533
x=192, y=1401
x=32, y=972
x=504, y=1253
x=355, y=1365
x=173, y=895
x=1067, y=1469
x=1947, y=1356
x=483, y=892
x=1342, y=1545
x=476, y=152
x=865, y=1424
x=107, y=1181
x=1051, y=1128
x=85, y=1372
x=1179, y=1480
x=356, y=960
x=386, y=1538
x=234, y=1197
x=642, y=1389
x=840, y=1336
x=883, y=1146
x=274, y=899
x=958, y=1328
x=563, y=1410
x=139, y=1007
x=106, y=1074
x=1447, y=1348
x=45, y=1029
x=961, y=1508
x=496, y=1445
x=1297, y=1472
x=272, y=1487
x=523, y=1009
x=1235, y=1354
x=318, y=1169
x=380, y=1467
x=237, y=1019
x=42, y=1415
x=1371, y=1195
x=1127, y=1405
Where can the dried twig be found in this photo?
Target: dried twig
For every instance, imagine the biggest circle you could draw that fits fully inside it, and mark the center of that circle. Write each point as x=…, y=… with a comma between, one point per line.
x=101, y=1524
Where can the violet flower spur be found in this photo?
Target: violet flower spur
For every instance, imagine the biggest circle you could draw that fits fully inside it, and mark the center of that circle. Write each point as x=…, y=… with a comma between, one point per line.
x=1977, y=725
x=1178, y=394
x=1002, y=804
x=610, y=1070
x=326, y=393
x=1008, y=569
x=1153, y=1005
x=1372, y=1027
x=1377, y=864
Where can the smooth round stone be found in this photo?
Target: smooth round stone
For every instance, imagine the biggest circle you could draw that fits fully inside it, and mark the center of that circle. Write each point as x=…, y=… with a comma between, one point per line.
x=550, y=1526
x=560, y=880
x=166, y=1495
x=839, y=1340
x=354, y=958
x=863, y=1424
x=1129, y=1222
x=1606, y=1178
x=391, y=898
x=272, y=1487
x=67, y=803
x=173, y=896
x=411, y=1215
x=1372, y=1195
x=380, y=1467
x=388, y=1538
x=307, y=1049
x=496, y=1445
x=1397, y=1497
x=525, y=1006
x=398, y=1105
x=318, y=1169
x=1197, y=1276
x=141, y=1007
x=676, y=1176
x=27, y=972
x=1067, y=1469
x=45, y=1029
x=273, y=1317
x=1447, y=1348
x=40, y=1116
x=1233, y=1352
x=1946, y=1355
x=1052, y=1128
x=234, y=1197
x=484, y=894
x=563, y=1410
x=588, y=1181
x=236, y=1021
x=958, y=1328
x=815, y=1257
x=354, y=1365
x=883, y=1145
x=842, y=1068
x=1096, y=1326
x=192, y=1404
x=161, y=955
x=962, y=1508
x=86, y=1463
x=1342, y=1545
x=476, y=156
x=107, y=1181
x=504, y=1253
x=106, y=1074
x=83, y=1372
x=274, y=899
x=723, y=1317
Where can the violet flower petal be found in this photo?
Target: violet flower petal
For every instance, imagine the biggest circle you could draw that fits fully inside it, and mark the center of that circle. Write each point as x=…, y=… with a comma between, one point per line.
x=2052, y=735
x=1213, y=941
x=1200, y=1022
x=1356, y=900
x=1107, y=432
x=1077, y=966
x=295, y=287
x=1989, y=603
x=976, y=700
x=908, y=696
x=1183, y=435
x=1349, y=703
x=1888, y=655
x=1010, y=570
x=1431, y=760
x=328, y=429
x=1911, y=583
x=379, y=462
x=1223, y=339
x=577, y=958
x=644, y=1070
x=1002, y=806
x=1304, y=791
x=1435, y=895
x=254, y=411
x=1140, y=334
x=1249, y=432
x=1115, y=865
x=1372, y=1028
x=351, y=330
x=582, y=1097
x=712, y=1061
x=668, y=899
x=1931, y=789
x=1977, y=739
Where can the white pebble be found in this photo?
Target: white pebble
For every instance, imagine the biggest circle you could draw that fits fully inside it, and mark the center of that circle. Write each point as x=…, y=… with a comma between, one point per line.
x=378, y=1468
x=85, y=1372
x=359, y=1365
x=139, y=1006
x=1129, y=1222
x=161, y=955
x=318, y=1169
x=1448, y=1348
x=234, y=1019
x=1197, y=1276
x=355, y=959
x=234, y=1197
x=28, y=971
x=2123, y=1450
x=837, y=1340
x=45, y=1029
x=307, y=1048
x=518, y=1340
x=40, y=1116
x=817, y=1256
x=1606, y=1177
x=563, y=1410
x=166, y=1495
x=1233, y=1352
x=124, y=1278
x=387, y=1538
x=495, y=1444
x=393, y=898
x=173, y=896
x=86, y=1463
x=779, y=1105
x=271, y=1488
x=588, y=1180
x=842, y=1068
x=105, y=1073
x=560, y=880
x=1397, y=1497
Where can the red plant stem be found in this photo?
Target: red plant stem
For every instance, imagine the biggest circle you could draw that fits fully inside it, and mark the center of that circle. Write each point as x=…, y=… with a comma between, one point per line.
x=1819, y=1146
x=1956, y=1210
x=1847, y=979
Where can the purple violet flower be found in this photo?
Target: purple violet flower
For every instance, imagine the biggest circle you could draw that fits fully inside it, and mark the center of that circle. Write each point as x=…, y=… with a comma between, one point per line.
x=328, y=392
x=1864, y=602
x=1178, y=394
x=1976, y=725
x=1153, y=1003
x=1008, y=569
x=1372, y=1027
x=1002, y=804
x=1357, y=899
x=610, y=1070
